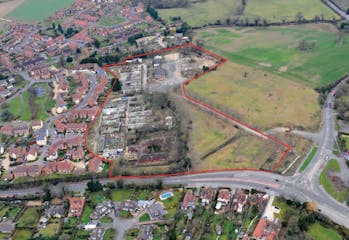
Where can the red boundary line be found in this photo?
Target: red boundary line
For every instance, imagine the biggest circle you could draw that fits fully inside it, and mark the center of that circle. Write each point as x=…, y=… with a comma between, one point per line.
x=192, y=100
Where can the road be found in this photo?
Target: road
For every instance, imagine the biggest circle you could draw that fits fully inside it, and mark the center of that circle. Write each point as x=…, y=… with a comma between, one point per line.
x=336, y=9
x=302, y=186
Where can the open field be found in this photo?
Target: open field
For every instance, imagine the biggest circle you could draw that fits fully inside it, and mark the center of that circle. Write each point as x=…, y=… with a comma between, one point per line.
x=276, y=49
x=246, y=151
x=8, y=6
x=327, y=183
x=261, y=99
x=205, y=12
x=22, y=106
x=37, y=10
x=206, y=131
x=344, y=4
x=319, y=232
x=279, y=10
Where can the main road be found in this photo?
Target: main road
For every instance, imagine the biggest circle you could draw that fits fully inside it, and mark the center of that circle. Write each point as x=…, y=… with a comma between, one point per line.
x=302, y=187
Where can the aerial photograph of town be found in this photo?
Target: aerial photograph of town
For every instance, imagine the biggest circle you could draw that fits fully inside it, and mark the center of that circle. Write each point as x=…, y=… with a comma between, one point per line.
x=174, y=119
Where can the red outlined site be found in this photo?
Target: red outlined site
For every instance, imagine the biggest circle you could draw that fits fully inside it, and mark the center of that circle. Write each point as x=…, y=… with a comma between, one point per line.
x=193, y=101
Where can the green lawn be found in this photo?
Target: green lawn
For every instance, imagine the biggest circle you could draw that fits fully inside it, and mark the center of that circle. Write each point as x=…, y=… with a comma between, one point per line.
x=109, y=234
x=203, y=12
x=13, y=212
x=50, y=230
x=327, y=184
x=37, y=10
x=309, y=158
x=172, y=204
x=278, y=10
x=276, y=50
x=145, y=217
x=125, y=214
x=318, y=232
x=3, y=210
x=22, y=234
x=21, y=106
x=30, y=218
x=283, y=207
x=118, y=195
x=82, y=235
x=110, y=20
x=106, y=219
x=85, y=218
x=96, y=197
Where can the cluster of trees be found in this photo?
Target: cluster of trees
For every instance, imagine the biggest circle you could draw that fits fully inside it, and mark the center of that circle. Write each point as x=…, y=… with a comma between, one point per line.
x=101, y=60
x=94, y=186
x=342, y=102
x=132, y=39
x=118, y=85
x=153, y=13
x=169, y=3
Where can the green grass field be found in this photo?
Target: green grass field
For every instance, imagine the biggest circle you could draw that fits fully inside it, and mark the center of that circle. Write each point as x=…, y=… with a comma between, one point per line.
x=207, y=131
x=327, y=183
x=262, y=99
x=308, y=159
x=22, y=106
x=318, y=232
x=22, y=234
x=278, y=10
x=85, y=217
x=30, y=218
x=276, y=50
x=37, y=10
x=50, y=230
x=171, y=204
x=109, y=234
x=205, y=12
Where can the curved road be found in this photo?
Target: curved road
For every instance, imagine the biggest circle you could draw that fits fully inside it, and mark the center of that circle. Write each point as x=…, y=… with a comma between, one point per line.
x=303, y=187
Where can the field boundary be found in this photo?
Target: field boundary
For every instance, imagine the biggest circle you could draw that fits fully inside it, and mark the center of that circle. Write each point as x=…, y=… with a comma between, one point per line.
x=196, y=102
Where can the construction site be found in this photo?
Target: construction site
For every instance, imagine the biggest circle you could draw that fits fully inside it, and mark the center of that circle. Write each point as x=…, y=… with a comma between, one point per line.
x=138, y=127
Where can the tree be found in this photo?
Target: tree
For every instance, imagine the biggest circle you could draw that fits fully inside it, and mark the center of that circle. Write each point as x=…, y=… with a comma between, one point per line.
x=347, y=11
x=47, y=194
x=120, y=184
x=60, y=28
x=117, y=86
x=6, y=115
x=96, y=43
x=299, y=17
x=94, y=186
x=69, y=59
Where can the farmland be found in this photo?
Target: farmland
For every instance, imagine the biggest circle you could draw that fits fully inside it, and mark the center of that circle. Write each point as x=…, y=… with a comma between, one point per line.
x=36, y=10
x=8, y=6
x=279, y=10
x=205, y=12
x=258, y=98
x=276, y=50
